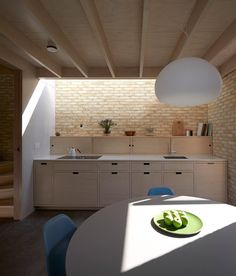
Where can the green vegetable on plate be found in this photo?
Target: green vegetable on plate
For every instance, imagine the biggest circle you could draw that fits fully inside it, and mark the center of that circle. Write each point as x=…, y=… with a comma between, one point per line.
x=176, y=218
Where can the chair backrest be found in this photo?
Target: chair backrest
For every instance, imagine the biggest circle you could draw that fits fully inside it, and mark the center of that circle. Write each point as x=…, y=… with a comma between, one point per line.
x=56, y=229
x=160, y=191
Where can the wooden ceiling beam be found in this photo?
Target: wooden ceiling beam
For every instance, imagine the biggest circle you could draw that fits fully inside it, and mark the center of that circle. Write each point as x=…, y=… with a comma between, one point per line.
x=91, y=12
x=198, y=10
x=32, y=50
x=44, y=19
x=228, y=67
x=226, y=38
x=146, y=9
x=103, y=73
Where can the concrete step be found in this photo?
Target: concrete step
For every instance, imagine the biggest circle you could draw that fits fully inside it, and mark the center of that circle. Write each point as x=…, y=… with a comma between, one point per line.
x=6, y=208
x=6, y=167
x=6, y=178
x=6, y=191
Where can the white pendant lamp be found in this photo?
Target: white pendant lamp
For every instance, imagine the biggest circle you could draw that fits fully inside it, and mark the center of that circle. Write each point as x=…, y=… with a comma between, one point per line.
x=188, y=82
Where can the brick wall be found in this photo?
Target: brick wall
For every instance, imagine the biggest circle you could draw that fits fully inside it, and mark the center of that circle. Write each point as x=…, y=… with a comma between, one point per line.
x=6, y=116
x=222, y=113
x=131, y=104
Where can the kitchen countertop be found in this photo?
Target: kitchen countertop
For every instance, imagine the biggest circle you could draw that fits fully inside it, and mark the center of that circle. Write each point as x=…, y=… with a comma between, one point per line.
x=133, y=157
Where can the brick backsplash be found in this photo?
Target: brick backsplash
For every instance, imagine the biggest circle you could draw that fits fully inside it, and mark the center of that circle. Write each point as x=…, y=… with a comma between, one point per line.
x=222, y=113
x=131, y=104
x=6, y=116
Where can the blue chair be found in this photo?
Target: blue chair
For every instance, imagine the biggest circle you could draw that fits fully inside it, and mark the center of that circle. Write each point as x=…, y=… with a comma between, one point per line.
x=57, y=233
x=158, y=191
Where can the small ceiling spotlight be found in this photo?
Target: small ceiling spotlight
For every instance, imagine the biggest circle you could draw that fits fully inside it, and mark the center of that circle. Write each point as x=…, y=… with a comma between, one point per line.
x=51, y=47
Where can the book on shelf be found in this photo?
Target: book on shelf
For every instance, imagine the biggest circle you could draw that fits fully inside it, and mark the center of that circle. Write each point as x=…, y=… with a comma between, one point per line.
x=210, y=128
x=204, y=129
x=199, y=129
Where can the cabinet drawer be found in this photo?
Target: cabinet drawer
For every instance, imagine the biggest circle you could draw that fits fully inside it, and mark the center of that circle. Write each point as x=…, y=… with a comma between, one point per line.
x=146, y=166
x=75, y=166
x=180, y=182
x=114, y=166
x=143, y=181
x=114, y=186
x=76, y=190
x=178, y=166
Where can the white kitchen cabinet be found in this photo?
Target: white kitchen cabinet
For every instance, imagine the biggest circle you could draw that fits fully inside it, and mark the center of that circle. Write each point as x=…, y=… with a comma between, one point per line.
x=180, y=182
x=43, y=183
x=178, y=175
x=114, y=186
x=114, y=166
x=76, y=189
x=150, y=145
x=210, y=180
x=112, y=145
x=143, y=166
x=141, y=182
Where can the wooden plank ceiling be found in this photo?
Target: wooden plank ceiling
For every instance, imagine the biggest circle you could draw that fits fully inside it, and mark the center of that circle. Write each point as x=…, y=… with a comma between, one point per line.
x=118, y=38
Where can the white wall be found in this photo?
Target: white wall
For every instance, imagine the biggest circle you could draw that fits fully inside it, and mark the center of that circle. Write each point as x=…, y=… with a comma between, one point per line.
x=36, y=142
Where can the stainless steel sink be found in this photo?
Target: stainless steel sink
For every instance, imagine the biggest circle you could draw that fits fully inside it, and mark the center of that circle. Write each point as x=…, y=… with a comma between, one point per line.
x=80, y=157
x=175, y=157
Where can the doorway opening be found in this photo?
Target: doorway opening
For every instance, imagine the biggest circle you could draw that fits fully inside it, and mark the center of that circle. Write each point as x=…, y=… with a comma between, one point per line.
x=10, y=141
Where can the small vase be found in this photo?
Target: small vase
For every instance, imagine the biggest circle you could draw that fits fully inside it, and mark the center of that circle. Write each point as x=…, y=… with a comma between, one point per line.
x=107, y=131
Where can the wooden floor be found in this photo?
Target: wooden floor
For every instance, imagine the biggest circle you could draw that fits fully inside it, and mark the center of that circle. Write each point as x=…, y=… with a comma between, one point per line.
x=21, y=243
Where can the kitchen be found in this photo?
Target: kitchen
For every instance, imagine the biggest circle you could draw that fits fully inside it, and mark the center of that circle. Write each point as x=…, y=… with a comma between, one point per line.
x=122, y=55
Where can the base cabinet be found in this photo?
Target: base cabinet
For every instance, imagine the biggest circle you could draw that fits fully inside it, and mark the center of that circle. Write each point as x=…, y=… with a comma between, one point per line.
x=141, y=182
x=43, y=183
x=113, y=187
x=98, y=184
x=180, y=182
x=209, y=180
x=76, y=189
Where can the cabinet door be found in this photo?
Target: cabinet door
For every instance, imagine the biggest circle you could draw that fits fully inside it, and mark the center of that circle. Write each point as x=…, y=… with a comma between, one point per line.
x=112, y=145
x=180, y=182
x=43, y=183
x=150, y=145
x=114, y=186
x=209, y=180
x=143, y=181
x=75, y=189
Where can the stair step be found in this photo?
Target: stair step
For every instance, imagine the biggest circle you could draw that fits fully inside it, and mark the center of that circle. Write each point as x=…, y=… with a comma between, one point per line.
x=6, y=178
x=6, y=202
x=6, y=211
x=6, y=191
x=6, y=167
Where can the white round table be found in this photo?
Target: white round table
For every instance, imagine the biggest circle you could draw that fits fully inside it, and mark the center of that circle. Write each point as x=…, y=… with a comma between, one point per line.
x=120, y=240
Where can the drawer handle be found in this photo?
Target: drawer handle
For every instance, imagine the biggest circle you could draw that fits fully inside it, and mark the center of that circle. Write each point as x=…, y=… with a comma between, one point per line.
x=114, y=173
x=44, y=164
x=75, y=172
x=146, y=164
x=211, y=163
x=178, y=173
x=146, y=173
x=114, y=164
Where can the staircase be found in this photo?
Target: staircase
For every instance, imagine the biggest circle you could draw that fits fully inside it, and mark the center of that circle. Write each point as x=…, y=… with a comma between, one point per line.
x=6, y=189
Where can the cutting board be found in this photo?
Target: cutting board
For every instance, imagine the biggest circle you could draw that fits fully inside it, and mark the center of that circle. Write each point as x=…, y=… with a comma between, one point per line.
x=178, y=128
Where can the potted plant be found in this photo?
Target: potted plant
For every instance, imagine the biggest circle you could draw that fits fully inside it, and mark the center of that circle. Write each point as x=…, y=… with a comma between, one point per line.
x=106, y=124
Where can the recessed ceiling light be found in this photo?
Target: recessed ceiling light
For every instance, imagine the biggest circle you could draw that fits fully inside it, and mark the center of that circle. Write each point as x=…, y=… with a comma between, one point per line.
x=52, y=48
